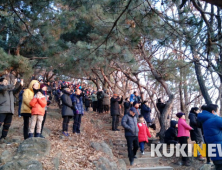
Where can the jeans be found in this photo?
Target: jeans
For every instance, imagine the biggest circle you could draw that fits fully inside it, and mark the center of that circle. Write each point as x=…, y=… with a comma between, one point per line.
x=77, y=123
x=115, y=122
x=142, y=146
x=5, y=118
x=183, y=140
x=132, y=145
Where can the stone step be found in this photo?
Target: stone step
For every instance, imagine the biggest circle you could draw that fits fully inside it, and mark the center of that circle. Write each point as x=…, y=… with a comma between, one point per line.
x=143, y=161
x=145, y=155
x=154, y=168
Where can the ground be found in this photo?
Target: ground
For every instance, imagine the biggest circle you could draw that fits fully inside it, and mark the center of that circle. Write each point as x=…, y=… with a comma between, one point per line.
x=75, y=152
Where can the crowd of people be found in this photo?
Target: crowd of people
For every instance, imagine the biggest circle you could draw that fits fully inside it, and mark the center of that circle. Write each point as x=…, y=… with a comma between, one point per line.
x=74, y=99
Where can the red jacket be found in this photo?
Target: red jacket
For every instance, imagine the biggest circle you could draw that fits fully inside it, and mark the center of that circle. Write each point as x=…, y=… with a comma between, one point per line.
x=38, y=106
x=183, y=128
x=144, y=132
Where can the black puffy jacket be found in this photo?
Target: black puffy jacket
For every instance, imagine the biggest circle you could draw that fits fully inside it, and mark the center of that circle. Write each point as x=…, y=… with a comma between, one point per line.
x=171, y=132
x=196, y=133
x=130, y=125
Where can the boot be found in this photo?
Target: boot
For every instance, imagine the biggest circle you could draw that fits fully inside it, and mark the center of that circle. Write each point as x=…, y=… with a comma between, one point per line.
x=30, y=135
x=37, y=135
x=41, y=136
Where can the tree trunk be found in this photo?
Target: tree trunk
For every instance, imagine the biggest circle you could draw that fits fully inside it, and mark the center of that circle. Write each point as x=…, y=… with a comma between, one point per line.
x=201, y=82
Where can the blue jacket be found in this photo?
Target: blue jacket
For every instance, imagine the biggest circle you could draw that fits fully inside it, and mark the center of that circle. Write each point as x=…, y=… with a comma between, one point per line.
x=77, y=102
x=145, y=111
x=132, y=98
x=212, y=128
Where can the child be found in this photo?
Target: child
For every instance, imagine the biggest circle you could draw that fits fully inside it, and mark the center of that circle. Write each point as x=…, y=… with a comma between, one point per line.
x=38, y=104
x=143, y=133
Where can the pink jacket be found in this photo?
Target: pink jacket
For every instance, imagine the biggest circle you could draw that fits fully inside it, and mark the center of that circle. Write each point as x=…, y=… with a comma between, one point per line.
x=183, y=128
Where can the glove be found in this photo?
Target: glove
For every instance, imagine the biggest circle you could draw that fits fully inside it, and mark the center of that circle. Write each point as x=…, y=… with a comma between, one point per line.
x=77, y=112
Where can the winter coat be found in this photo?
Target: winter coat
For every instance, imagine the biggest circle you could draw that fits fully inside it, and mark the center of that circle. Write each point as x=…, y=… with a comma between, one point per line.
x=38, y=106
x=27, y=97
x=100, y=95
x=94, y=97
x=87, y=101
x=7, y=98
x=126, y=107
x=171, y=132
x=144, y=132
x=67, y=108
x=195, y=134
x=212, y=128
x=183, y=128
x=77, y=103
x=160, y=106
x=145, y=111
x=106, y=99
x=130, y=125
x=132, y=98
x=115, y=109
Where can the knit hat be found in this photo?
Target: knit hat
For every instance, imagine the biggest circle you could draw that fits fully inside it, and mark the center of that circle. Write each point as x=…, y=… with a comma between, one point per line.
x=42, y=85
x=180, y=114
x=133, y=109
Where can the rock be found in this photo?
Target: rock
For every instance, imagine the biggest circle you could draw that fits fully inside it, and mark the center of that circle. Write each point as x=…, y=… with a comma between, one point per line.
x=6, y=156
x=22, y=164
x=3, y=145
x=16, y=139
x=56, y=161
x=34, y=148
x=205, y=167
x=121, y=164
x=54, y=114
x=46, y=132
x=104, y=164
x=103, y=147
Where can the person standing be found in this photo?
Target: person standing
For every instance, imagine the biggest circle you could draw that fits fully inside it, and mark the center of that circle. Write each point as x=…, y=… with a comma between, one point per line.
x=145, y=112
x=67, y=109
x=183, y=135
x=212, y=128
x=87, y=100
x=7, y=92
x=26, y=109
x=115, y=111
x=77, y=102
x=106, y=101
x=94, y=101
x=129, y=123
x=100, y=96
x=38, y=104
x=195, y=134
x=126, y=106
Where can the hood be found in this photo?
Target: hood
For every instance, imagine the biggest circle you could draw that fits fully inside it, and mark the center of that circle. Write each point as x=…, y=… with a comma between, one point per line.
x=173, y=123
x=32, y=83
x=204, y=116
